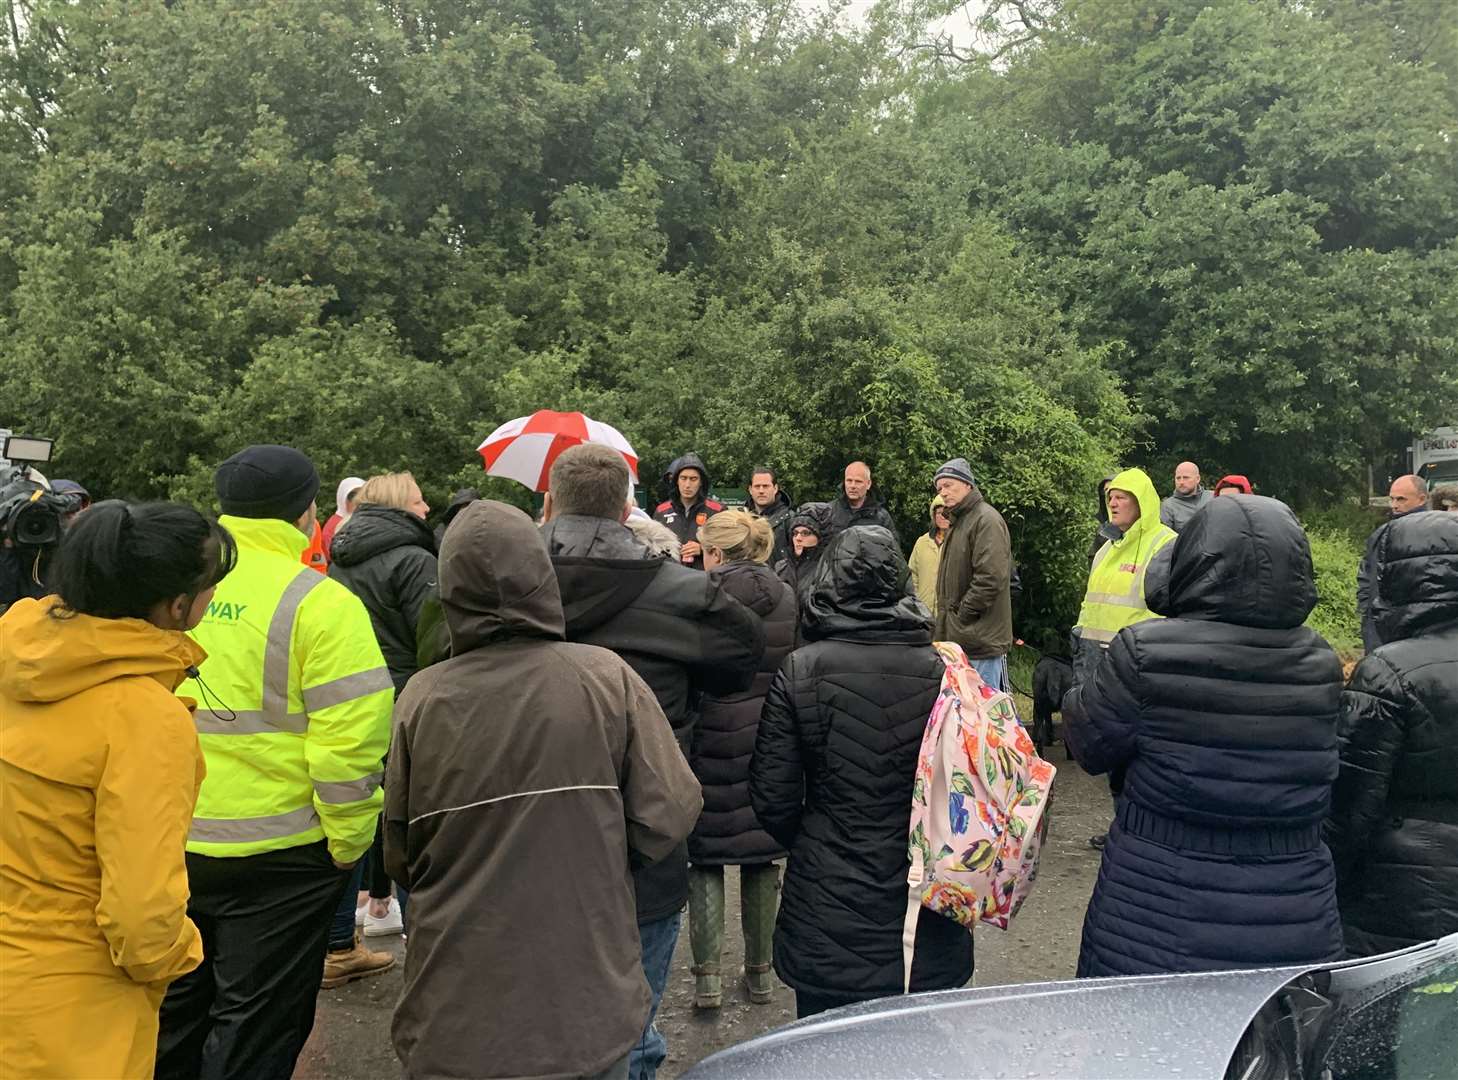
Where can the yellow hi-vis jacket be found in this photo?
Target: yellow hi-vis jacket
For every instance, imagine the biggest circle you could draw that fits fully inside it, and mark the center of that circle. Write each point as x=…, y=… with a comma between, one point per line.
x=294, y=705
x=1115, y=597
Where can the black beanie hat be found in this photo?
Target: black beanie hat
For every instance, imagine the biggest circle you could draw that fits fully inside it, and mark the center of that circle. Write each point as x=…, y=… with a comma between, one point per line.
x=267, y=482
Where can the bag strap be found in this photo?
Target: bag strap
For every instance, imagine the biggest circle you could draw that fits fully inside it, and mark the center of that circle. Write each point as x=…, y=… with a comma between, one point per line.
x=913, y=916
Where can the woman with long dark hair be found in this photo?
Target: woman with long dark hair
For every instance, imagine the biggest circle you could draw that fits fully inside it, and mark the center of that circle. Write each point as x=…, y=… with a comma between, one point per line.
x=100, y=765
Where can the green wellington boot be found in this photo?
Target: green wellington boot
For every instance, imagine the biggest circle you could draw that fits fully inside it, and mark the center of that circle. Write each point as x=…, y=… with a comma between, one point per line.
x=706, y=933
x=759, y=894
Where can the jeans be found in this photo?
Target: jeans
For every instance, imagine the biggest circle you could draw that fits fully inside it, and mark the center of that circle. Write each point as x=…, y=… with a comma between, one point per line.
x=993, y=671
x=658, y=939
x=341, y=928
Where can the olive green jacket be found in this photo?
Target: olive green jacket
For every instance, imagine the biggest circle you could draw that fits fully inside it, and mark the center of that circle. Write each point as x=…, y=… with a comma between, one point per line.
x=974, y=605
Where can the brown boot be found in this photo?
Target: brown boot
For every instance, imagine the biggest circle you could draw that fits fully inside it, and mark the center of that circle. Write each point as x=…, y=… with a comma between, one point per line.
x=357, y=962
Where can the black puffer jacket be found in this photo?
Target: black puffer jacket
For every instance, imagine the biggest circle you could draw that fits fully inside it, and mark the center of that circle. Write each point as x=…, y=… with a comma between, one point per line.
x=1225, y=714
x=679, y=629
x=832, y=774
x=386, y=557
x=723, y=739
x=797, y=571
x=1394, y=824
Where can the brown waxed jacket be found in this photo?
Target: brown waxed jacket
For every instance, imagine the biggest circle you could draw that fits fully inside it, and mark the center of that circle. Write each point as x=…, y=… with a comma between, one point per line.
x=525, y=773
x=974, y=605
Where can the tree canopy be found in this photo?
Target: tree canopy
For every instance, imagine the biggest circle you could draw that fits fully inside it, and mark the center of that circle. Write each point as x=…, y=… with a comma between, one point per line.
x=1119, y=231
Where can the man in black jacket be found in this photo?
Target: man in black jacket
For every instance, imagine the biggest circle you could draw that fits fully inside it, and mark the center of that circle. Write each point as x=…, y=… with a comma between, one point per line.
x=688, y=506
x=769, y=502
x=857, y=504
x=1407, y=495
x=677, y=629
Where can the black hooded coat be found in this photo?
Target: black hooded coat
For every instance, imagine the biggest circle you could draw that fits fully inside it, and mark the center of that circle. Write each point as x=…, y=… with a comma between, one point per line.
x=387, y=557
x=1224, y=715
x=831, y=779
x=1394, y=823
x=679, y=629
x=797, y=571
x=685, y=520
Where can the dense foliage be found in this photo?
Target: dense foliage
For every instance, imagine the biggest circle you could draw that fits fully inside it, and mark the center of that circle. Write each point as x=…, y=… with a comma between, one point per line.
x=1126, y=231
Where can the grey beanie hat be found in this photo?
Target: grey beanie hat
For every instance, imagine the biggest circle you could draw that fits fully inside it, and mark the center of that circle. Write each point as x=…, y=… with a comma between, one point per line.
x=957, y=469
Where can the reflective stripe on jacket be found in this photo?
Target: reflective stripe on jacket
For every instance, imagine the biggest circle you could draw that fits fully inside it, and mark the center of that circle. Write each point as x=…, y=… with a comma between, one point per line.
x=1115, y=596
x=294, y=706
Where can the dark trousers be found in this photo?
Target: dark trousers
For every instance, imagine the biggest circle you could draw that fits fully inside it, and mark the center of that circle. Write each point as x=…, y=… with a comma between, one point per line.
x=247, y=1011
x=810, y=1004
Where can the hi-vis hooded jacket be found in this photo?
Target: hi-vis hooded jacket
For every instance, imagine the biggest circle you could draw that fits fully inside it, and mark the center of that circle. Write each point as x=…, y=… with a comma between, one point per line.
x=1115, y=597
x=293, y=705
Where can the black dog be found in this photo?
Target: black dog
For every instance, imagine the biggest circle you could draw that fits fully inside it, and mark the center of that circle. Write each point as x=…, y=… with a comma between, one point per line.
x=1052, y=678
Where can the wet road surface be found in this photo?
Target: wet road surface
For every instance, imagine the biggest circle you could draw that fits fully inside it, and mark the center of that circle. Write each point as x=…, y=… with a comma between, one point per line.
x=351, y=1039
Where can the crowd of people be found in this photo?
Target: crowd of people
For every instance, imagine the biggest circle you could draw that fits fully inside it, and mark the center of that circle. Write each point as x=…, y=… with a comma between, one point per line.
x=235, y=749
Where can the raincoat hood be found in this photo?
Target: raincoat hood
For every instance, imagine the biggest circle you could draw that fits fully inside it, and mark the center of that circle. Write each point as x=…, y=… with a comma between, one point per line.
x=1243, y=560
x=679, y=464
x=342, y=492
x=45, y=658
x=1137, y=483
x=1103, y=498
x=860, y=589
x=459, y=501
x=814, y=516
x=1236, y=481
x=931, y=510
x=496, y=580
x=374, y=530
x=1417, y=576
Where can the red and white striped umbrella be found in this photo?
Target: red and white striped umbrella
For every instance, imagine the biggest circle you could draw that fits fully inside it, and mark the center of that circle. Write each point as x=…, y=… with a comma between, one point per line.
x=525, y=448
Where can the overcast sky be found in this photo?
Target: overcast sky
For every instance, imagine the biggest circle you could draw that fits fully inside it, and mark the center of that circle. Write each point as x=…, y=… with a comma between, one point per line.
x=960, y=23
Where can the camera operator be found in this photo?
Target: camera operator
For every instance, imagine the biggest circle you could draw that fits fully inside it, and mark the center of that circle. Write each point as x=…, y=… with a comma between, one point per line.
x=33, y=517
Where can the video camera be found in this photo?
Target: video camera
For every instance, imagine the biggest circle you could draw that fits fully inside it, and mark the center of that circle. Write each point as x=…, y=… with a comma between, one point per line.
x=31, y=514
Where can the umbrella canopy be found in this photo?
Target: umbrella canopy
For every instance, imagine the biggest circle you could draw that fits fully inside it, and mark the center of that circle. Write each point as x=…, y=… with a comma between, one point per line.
x=525, y=448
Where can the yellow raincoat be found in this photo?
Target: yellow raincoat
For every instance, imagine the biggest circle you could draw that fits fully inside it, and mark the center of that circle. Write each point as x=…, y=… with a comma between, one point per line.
x=1115, y=596
x=99, y=770
x=926, y=559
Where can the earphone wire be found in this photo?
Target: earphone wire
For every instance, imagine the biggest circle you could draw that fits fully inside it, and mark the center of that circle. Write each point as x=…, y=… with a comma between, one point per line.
x=214, y=704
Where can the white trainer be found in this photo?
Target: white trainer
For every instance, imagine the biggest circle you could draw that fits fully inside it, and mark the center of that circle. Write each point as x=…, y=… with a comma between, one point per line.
x=390, y=922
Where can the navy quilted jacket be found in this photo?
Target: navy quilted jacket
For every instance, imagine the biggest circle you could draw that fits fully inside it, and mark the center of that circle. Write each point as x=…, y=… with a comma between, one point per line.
x=1225, y=717
x=834, y=761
